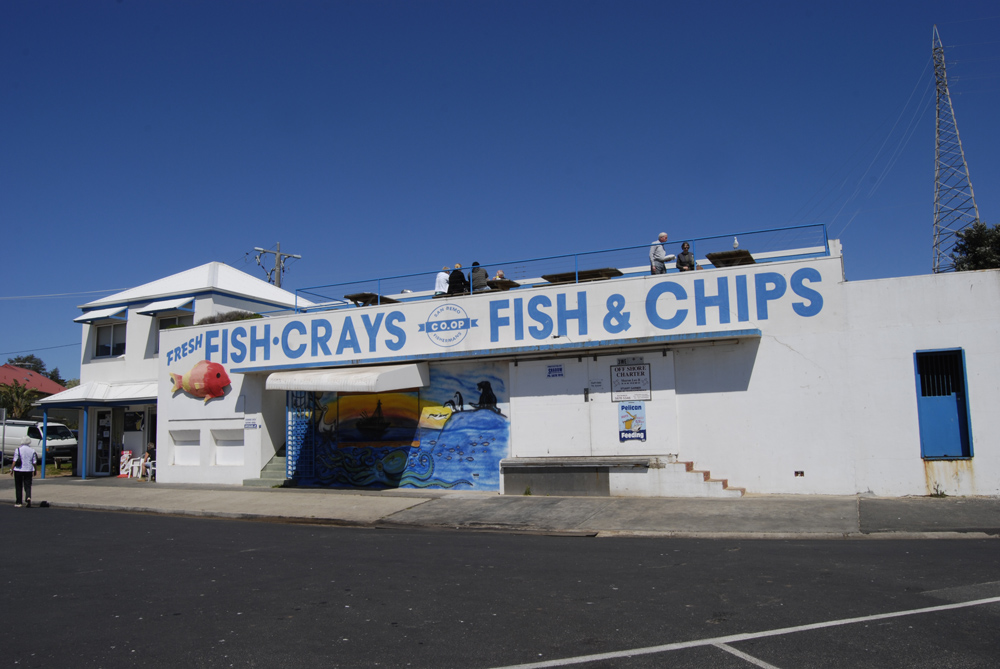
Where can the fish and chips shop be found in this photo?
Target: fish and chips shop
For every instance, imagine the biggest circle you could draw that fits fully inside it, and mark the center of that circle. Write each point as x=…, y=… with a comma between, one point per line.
x=767, y=377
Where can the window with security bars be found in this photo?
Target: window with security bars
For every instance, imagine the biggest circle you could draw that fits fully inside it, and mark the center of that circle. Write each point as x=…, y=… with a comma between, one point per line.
x=940, y=373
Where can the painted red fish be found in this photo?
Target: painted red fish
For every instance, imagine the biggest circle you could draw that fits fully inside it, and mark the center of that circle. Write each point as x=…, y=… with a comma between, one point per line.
x=206, y=379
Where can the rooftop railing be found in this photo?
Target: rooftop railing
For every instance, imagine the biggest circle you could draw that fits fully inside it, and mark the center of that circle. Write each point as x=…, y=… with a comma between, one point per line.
x=764, y=246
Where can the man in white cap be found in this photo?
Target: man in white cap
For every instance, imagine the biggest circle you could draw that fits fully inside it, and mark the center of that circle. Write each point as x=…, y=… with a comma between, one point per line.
x=658, y=257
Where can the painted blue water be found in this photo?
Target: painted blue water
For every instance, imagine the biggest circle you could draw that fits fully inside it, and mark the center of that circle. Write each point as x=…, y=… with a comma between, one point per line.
x=464, y=454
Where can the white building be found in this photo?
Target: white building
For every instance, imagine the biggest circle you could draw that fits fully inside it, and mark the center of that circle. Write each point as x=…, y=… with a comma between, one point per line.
x=121, y=346
x=777, y=377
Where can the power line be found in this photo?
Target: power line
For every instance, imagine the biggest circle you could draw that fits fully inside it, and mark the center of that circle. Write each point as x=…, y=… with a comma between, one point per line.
x=47, y=348
x=55, y=295
x=245, y=259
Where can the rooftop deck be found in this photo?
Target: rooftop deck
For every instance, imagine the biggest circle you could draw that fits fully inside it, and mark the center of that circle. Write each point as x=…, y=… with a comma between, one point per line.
x=751, y=247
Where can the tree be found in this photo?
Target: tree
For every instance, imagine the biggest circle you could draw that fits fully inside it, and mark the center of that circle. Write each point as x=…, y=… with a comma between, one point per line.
x=32, y=362
x=978, y=247
x=54, y=375
x=17, y=399
x=37, y=365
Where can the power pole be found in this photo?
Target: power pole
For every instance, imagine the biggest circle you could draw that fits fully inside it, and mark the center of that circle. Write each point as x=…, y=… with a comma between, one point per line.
x=279, y=263
x=954, y=202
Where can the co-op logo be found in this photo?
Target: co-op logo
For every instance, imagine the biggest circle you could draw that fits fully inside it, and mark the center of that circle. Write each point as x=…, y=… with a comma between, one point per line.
x=447, y=325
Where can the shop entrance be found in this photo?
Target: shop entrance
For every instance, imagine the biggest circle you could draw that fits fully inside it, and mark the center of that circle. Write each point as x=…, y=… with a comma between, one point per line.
x=108, y=437
x=102, y=444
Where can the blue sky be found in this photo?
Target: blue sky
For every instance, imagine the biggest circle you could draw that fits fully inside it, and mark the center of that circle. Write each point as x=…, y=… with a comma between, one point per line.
x=375, y=138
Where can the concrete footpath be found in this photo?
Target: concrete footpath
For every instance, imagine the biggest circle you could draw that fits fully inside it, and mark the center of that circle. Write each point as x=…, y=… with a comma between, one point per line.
x=752, y=516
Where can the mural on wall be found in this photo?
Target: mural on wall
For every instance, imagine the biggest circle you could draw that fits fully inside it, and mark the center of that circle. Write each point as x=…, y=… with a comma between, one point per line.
x=451, y=434
x=206, y=380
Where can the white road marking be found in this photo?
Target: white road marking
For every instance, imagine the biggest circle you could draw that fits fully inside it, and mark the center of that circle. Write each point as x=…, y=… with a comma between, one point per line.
x=736, y=638
x=743, y=656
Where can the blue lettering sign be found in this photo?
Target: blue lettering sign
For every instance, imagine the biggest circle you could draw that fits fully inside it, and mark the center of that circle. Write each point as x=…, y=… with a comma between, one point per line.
x=321, y=333
x=286, y=347
x=579, y=314
x=815, y=304
x=766, y=294
x=544, y=327
x=651, y=302
x=496, y=320
x=742, y=299
x=263, y=342
x=393, y=329
x=372, y=329
x=348, y=337
x=720, y=300
x=210, y=346
x=239, y=347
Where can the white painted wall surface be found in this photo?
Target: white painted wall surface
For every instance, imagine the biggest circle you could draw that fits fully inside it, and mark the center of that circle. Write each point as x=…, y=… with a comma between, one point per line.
x=552, y=417
x=829, y=392
x=835, y=396
x=891, y=319
x=224, y=440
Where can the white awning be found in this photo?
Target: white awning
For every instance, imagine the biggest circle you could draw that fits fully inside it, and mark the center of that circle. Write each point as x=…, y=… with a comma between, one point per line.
x=102, y=314
x=176, y=304
x=97, y=392
x=354, y=380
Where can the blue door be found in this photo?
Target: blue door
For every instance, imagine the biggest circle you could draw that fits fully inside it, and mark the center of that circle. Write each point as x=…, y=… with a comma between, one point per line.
x=941, y=405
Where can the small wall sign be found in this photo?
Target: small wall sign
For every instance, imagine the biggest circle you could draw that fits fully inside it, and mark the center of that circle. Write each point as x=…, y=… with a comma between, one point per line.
x=630, y=382
x=631, y=421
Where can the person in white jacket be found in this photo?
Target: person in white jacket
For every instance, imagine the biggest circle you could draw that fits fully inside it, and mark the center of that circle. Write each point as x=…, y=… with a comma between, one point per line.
x=441, y=281
x=23, y=469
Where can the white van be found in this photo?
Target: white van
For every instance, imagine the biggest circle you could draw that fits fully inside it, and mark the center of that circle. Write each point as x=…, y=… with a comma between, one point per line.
x=60, y=441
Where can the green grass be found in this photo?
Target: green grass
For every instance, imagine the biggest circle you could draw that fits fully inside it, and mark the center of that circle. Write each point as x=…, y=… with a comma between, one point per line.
x=51, y=471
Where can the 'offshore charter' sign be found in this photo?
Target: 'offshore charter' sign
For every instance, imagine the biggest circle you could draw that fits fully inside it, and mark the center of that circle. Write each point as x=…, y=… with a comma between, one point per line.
x=526, y=319
x=631, y=382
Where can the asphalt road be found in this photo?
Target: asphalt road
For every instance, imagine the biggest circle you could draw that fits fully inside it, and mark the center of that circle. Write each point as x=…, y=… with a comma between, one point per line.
x=92, y=589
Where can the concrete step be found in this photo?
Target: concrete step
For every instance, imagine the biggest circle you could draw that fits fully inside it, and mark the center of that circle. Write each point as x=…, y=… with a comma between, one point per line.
x=716, y=487
x=276, y=467
x=681, y=479
x=262, y=483
x=273, y=474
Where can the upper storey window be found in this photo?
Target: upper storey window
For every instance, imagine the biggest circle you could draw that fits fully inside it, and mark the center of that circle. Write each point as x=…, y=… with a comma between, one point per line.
x=110, y=340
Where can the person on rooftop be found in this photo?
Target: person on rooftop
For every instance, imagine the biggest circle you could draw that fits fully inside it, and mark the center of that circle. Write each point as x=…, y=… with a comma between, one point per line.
x=457, y=283
x=685, y=261
x=441, y=281
x=658, y=257
x=479, y=276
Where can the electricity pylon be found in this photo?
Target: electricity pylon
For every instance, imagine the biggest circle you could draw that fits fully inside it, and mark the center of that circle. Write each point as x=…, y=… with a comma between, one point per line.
x=954, y=202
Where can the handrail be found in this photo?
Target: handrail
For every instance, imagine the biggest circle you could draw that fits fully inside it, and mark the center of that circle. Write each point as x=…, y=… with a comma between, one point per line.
x=793, y=239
